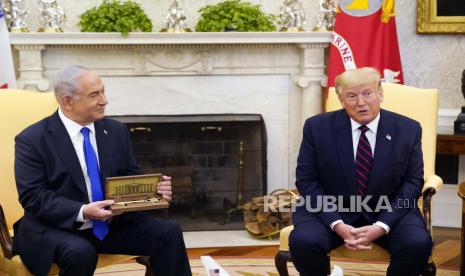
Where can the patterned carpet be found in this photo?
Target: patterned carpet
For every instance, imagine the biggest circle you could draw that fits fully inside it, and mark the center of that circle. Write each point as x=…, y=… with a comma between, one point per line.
x=262, y=267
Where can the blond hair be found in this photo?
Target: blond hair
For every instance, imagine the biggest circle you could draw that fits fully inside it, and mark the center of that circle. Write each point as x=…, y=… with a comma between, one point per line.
x=357, y=76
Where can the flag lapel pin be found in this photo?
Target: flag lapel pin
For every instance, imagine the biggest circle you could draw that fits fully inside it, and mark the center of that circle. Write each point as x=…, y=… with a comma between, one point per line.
x=388, y=136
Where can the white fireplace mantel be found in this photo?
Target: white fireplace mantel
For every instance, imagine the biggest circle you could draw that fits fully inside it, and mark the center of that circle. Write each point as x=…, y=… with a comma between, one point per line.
x=277, y=74
x=168, y=38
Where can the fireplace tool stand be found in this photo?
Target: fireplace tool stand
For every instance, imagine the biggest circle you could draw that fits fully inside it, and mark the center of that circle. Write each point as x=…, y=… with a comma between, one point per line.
x=240, y=186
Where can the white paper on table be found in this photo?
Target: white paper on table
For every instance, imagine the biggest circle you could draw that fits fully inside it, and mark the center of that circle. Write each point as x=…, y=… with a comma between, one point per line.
x=337, y=271
x=210, y=264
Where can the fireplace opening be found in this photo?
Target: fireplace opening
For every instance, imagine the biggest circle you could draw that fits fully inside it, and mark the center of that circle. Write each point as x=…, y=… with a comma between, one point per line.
x=217, y=163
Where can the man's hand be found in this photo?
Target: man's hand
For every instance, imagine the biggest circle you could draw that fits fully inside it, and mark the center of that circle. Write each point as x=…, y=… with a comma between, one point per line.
x=96, y=210
x=345, y=232
x=164, y=187
x=364, y=236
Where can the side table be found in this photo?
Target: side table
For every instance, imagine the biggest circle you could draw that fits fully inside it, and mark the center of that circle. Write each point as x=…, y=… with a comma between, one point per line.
x=450, y=144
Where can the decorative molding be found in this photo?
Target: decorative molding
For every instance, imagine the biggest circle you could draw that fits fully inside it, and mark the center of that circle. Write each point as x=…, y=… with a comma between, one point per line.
x=174, y=60
x=29, y=47
x=207, y=63
x=421, y=16
x=313, y=45
x=100, y=39
x=173, y=46
x=304, y=81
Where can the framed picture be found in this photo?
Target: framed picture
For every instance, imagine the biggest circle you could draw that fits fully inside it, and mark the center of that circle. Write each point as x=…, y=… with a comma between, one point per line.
x=441, y=16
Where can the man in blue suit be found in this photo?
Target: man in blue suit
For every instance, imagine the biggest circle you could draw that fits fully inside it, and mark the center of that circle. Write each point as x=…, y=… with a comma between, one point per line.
x=60, y=165
x=367, y=155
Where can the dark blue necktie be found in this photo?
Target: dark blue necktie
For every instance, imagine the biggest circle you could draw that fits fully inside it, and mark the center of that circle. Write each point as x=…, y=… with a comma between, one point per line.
x=100, y=228
x=363, y=162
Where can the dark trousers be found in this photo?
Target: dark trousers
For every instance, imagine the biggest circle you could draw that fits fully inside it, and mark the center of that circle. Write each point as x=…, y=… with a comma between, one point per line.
x=77, y=253
x=408, y=243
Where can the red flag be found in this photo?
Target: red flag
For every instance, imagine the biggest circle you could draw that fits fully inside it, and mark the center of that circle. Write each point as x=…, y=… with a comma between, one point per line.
x=365, y=35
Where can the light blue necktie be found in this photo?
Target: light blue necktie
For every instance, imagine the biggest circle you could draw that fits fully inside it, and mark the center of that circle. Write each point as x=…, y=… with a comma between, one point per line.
x=100, y=228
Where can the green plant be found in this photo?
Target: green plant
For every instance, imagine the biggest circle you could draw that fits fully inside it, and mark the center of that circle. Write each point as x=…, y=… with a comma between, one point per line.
x=115, y=16
x=234, y=15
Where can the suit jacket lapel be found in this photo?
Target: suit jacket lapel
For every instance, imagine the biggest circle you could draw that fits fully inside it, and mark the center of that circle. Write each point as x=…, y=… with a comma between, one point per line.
x=342, y=133
x=382, y=151
x=66, y=151
x=104, y=149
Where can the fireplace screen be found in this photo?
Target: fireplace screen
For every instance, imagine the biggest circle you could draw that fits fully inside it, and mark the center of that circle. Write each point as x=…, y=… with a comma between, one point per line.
x=217, y=162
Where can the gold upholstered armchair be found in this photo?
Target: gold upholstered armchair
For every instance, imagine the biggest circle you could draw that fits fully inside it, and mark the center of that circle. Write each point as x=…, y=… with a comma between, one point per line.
x=19, y=109
x=420, y=105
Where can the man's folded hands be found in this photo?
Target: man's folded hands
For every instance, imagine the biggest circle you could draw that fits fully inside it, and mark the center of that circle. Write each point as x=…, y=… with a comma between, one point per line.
x=359, y=238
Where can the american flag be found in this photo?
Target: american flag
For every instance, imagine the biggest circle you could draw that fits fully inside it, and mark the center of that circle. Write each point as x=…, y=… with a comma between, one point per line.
x=7, y=71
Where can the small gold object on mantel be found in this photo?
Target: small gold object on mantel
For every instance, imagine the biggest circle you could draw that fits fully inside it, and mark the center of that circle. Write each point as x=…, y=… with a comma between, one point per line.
x=134, y=193
x=19, y=30
x=49, y=30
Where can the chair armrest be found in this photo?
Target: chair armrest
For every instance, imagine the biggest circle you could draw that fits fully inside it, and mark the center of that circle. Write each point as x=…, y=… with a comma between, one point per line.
x=5, y=239
x=433, y=183
x=284, y=238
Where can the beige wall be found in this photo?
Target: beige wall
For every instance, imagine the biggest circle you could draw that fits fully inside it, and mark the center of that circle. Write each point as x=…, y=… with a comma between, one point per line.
x=428, y=60
x=431, y=60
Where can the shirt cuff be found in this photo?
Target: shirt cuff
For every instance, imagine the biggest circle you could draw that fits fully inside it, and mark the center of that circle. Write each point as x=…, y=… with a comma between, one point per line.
x=334, y=224
x=80, y=216
x=383, y=225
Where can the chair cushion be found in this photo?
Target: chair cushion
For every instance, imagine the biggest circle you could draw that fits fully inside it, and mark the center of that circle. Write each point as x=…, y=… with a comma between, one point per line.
x=18, y=110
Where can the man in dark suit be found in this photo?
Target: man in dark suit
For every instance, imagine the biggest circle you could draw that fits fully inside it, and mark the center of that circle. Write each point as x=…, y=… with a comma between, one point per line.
x=360, y=154
x=60, y=165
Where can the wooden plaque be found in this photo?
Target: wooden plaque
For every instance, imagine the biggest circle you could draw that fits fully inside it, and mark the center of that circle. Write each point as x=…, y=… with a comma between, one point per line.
x=134, y=193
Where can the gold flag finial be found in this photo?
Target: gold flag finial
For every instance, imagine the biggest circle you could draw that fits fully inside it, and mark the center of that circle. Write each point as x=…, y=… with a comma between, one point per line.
x=387, y=10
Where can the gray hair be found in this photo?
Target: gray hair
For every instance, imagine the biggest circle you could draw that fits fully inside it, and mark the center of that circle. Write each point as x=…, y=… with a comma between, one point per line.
x=65, y=83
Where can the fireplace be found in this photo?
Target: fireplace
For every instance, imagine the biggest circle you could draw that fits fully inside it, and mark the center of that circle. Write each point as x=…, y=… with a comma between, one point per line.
x=215, y=161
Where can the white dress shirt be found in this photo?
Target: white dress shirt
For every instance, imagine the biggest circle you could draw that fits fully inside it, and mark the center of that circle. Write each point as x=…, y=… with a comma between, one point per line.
x=74, y=131
x=371, y=136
